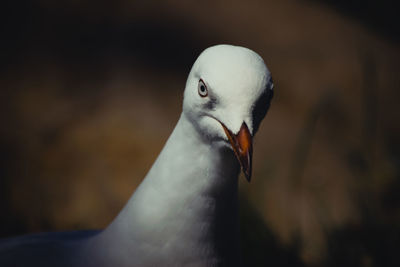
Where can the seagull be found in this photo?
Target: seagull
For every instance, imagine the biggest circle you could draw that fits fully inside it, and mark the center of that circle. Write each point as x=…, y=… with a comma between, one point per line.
x=185, y=212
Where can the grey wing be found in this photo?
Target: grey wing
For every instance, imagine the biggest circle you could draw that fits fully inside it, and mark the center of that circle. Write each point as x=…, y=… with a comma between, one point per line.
x=44, y=249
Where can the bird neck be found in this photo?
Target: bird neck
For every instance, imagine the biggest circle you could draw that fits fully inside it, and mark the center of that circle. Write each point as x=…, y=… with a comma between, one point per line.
x=187, y=203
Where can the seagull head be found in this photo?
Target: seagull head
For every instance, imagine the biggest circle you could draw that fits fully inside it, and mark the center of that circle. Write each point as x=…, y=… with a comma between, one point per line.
x=227, y=94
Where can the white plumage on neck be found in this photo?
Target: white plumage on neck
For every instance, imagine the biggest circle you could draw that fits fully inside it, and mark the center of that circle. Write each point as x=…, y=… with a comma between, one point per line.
x=186, y=206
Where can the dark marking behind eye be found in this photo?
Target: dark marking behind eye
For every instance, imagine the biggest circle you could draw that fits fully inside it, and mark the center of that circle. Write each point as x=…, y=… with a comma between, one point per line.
x=261, y=107
x=211, y=103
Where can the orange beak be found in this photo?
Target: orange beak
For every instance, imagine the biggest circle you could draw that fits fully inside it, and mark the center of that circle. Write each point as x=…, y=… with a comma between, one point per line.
x=242, y=146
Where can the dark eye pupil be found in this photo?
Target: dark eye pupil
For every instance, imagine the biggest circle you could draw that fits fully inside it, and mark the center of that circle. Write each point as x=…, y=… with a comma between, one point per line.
x=202, y=88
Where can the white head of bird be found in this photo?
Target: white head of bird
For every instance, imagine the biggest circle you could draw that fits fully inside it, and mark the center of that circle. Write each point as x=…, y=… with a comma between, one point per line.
x=227, y=94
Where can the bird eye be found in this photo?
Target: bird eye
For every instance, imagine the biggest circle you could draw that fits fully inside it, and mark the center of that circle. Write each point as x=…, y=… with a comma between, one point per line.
x=202, y=89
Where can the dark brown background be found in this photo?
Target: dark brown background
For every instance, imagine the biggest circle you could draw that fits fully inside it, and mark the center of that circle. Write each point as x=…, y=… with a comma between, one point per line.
x=90, y=91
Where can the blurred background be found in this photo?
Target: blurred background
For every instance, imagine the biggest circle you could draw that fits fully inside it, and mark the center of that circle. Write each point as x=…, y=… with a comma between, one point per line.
x=91, y=90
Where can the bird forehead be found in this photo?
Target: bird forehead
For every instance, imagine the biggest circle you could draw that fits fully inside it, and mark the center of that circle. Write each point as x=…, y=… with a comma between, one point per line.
x=232, y=70
x=225, y=60
x=234, y=80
